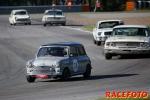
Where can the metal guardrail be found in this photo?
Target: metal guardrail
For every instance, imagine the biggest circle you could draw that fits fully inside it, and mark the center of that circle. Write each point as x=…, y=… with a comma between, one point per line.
x=41, y=9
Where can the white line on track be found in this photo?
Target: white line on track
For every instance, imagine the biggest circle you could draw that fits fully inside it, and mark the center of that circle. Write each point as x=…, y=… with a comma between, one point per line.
x=76, y=29
x=69, y=27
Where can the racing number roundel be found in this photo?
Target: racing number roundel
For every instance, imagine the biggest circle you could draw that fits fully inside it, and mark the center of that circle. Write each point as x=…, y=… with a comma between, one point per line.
x=75, y=65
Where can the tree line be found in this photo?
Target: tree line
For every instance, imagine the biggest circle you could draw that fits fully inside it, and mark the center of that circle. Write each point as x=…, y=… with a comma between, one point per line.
x=106, y=5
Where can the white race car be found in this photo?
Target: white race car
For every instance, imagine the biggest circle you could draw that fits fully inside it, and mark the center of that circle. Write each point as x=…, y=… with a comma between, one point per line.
x=54, y=16
x=19, y=17
x=103, y=30
x=128, y=39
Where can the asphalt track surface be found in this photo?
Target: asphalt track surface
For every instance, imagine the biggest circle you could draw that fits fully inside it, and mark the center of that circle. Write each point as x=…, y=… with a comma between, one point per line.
x=20, y=43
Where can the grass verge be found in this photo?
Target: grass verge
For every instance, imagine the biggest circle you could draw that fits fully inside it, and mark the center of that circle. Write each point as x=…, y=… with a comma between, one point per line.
x=88, y=28
x=125, y=99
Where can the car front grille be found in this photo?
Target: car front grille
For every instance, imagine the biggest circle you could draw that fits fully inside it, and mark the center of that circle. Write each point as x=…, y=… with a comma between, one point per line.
x=23, y=19
x=127, y=44
x=107, y=33
x=53, y=17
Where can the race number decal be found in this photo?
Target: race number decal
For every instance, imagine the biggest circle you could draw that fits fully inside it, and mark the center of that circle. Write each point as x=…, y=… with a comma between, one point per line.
x=75, y=65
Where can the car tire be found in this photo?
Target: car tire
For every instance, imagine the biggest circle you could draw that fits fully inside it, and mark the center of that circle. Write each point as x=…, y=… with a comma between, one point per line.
x=44, y=25
x=30, y=79
x=64, y=24
x=94, y=41
x=148, y=55
x=29, y=23
x=65, y=75
x=108, y=56
x=25, y=24
x=87, y=73
x=13, y=23
x=98, y=43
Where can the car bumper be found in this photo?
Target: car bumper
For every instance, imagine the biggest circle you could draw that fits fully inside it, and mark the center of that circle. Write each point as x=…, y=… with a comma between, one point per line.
x=45, y=75
x=41, y=73
x=22, y=22
x=127, y=51
x=102, y=39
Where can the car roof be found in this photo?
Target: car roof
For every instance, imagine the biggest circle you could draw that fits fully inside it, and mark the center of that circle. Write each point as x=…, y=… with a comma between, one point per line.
x=109, y=21
x=63, y=44
x=125, y=26
x=19, y=10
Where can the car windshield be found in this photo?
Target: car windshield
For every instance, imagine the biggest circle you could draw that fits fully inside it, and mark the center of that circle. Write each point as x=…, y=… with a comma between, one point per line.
x=130, y=32
x=20, y=13
x=108, y=24
x=53, y=13
x=53, y=51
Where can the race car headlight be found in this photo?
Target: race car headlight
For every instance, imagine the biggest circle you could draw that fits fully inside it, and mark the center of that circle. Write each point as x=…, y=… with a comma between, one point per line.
x=15, y=18
x=148, y=45
x=56, y=64
x=108, y=44
x=44, y=18
x=99, y=33
x=144, y=45
x=112, y=44
x=30, y=65
x=30, y=18
x=141, y=45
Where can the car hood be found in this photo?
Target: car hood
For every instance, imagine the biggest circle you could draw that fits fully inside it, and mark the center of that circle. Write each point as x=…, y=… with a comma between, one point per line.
x=104, y=29
x=22, y=16
x=128, y=38
x=47, y=61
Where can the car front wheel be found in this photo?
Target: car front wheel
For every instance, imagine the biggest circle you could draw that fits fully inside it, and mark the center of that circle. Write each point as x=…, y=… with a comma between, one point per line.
x=98, y=43
x=30, y=79
x=87, y=72
x=64, y=24
x=44, y=24
x=65, y=75
x=108, y=56
x=94, y=41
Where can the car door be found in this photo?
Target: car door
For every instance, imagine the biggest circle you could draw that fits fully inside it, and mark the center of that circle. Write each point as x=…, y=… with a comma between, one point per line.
x=82, y=58
x=73, y=59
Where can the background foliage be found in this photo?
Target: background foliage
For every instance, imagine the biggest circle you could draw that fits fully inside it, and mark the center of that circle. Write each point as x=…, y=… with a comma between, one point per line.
x=106, y=5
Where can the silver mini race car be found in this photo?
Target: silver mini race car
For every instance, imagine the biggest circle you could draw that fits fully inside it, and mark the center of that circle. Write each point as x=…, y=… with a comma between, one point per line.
x=59, y=60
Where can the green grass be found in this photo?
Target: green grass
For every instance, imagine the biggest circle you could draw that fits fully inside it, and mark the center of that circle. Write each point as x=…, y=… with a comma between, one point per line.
x=123, y=99
x=88, y=28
